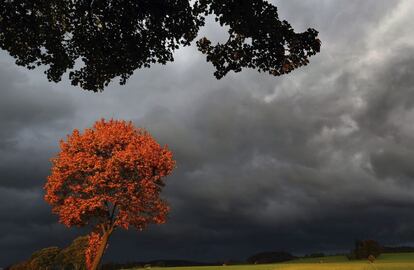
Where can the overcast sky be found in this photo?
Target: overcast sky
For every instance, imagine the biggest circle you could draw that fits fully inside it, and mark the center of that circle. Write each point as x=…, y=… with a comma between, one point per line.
x=309, y=161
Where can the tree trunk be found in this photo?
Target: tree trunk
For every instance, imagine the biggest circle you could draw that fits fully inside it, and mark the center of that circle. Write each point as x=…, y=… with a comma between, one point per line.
x=101, y=250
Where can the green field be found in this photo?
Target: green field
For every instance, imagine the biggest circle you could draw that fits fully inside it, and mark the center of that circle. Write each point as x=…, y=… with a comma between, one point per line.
x=399, y=261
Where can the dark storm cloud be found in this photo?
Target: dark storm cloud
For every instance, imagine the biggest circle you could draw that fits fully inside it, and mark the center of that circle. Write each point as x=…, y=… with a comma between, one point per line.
x=306, y=162
x=28, y=114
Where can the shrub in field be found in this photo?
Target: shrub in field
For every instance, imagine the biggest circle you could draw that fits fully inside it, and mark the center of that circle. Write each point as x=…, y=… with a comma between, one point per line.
x=73, y=256
x=371, y=258
x=44, y=259
x=53, y=258
x=19, y=266
x=365, y=248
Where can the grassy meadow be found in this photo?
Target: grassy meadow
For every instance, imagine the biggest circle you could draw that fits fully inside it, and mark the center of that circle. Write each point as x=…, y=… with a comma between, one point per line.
x=398, y=261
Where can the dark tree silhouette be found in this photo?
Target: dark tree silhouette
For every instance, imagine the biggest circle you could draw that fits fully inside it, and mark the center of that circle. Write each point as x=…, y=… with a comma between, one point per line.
x=113, y=38
x=365, y=248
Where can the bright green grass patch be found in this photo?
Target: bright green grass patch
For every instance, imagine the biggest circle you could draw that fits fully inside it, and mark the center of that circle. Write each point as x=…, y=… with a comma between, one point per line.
x=305, y=266
x=347, y=266
x=397, y=257
x=398, y=261
x=327, y=259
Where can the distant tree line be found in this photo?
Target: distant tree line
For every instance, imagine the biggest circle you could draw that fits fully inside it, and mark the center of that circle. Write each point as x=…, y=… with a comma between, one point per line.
x=315, y=255
x=365, y=248
x=401, y=249
x=270, y=257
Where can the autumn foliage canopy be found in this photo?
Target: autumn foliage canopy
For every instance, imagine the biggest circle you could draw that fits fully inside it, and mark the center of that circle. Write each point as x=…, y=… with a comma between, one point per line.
x=110, y=176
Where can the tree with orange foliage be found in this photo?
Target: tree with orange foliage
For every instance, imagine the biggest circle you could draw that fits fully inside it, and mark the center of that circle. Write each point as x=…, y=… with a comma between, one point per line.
x=108, y=177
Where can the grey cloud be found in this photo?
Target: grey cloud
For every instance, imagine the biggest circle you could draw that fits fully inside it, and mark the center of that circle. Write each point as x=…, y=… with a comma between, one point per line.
x=30, y=115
